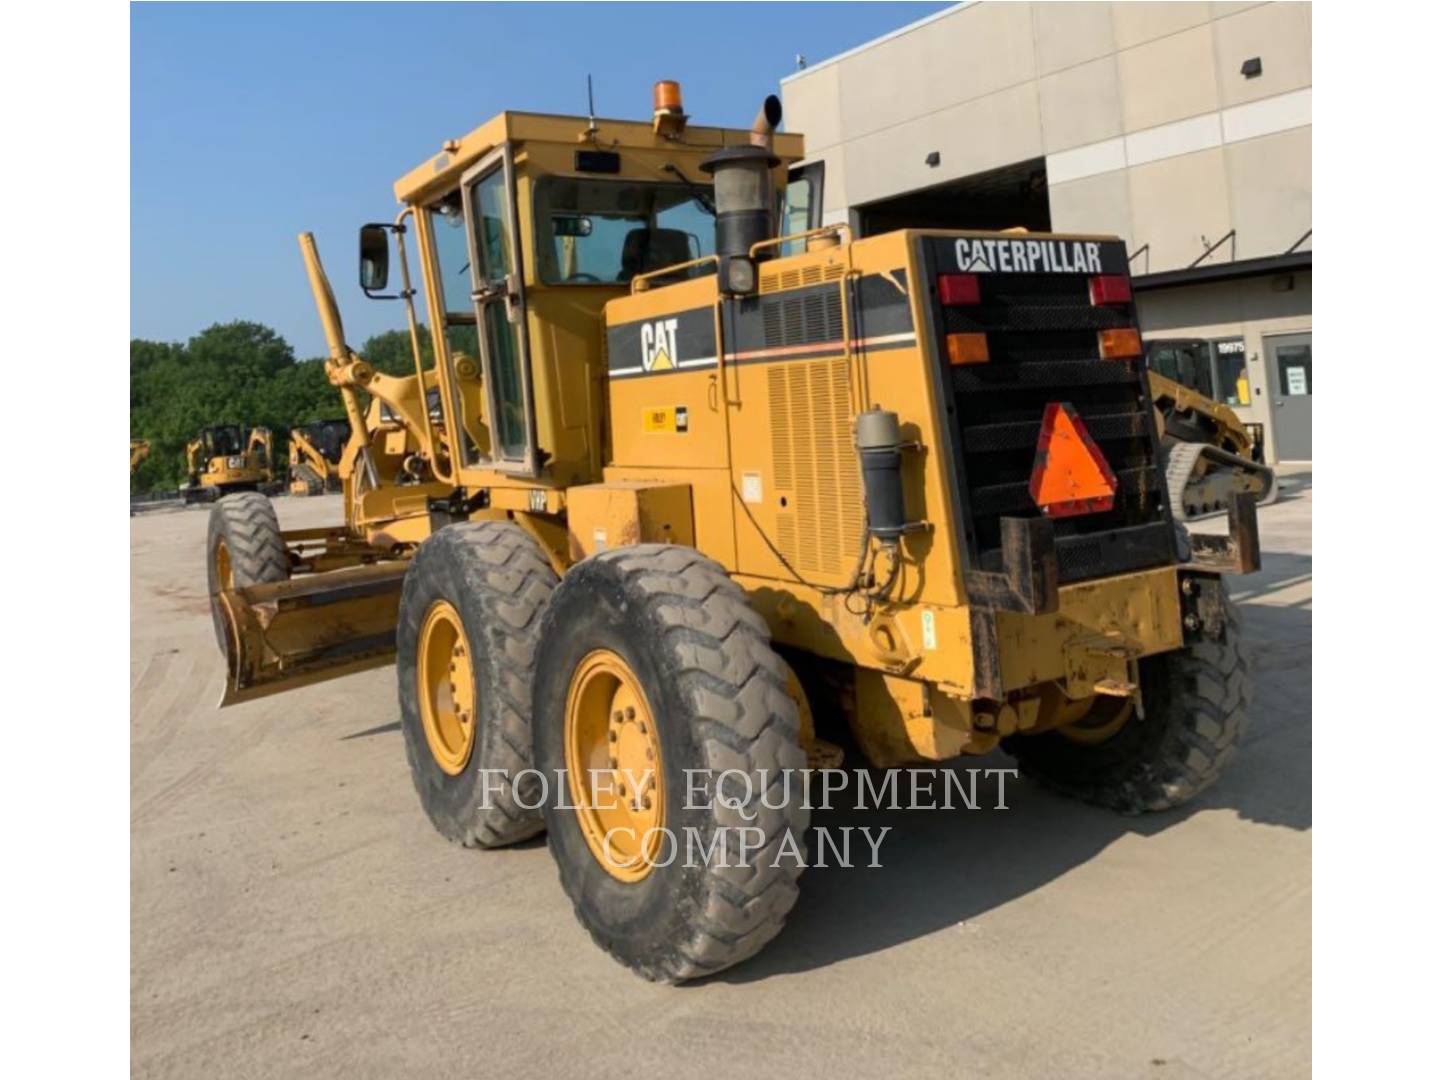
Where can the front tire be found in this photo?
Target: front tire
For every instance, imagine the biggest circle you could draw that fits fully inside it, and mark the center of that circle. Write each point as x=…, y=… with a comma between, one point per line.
x=667, y=633
x=243, y=547
x=1195, y=700
x=465, y=657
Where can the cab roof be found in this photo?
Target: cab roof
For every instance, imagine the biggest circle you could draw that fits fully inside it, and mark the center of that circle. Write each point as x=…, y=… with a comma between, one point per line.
x=443, y=171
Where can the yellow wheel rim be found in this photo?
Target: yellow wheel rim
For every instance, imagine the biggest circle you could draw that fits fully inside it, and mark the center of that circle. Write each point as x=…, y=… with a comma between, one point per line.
x=613, y=768
x=1104, y=720
x=224, y=573
x=447, y=688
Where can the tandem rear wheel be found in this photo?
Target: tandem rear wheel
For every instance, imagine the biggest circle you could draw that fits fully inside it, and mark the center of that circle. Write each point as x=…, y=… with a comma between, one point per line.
x=654, y=669
x=466, y=647
x=1134, y=761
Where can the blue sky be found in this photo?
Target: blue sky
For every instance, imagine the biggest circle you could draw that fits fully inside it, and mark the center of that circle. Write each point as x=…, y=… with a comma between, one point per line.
x=253, y=122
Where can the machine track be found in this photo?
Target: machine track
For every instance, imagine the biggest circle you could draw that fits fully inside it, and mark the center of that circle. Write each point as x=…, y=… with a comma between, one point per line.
x=1200, y=477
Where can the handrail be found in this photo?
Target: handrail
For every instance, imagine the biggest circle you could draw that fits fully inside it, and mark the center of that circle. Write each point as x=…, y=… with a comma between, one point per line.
x=1211, y=250
x=640, y=282
x=823, y=230
x=407, y=292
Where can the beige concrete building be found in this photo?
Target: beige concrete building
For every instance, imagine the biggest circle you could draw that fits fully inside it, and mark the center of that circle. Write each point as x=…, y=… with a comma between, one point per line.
x=1182, y=127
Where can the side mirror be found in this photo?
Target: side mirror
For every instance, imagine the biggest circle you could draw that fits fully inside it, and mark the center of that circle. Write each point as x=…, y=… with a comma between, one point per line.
x=374, y=258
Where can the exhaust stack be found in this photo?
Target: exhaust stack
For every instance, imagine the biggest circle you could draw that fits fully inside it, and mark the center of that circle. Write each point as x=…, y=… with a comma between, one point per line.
x=762, y=132
x=745, y=200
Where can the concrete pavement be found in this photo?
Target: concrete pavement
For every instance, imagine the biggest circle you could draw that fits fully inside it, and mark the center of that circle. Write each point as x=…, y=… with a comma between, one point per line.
x=293, y=913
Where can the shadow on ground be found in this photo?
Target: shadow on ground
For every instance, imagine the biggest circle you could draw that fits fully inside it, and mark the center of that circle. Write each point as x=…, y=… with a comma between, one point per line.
x=945, y=867
x=1292, y=484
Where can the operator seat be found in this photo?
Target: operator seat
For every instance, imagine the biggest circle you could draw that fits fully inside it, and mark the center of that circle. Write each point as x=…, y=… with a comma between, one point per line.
x=652, y=249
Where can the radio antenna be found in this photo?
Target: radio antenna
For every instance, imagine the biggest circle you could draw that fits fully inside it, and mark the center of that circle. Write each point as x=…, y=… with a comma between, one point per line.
x=590, y=94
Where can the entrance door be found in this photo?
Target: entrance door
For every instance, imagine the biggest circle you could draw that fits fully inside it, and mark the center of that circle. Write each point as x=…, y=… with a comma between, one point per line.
x=499, y=296
x=1287, y=358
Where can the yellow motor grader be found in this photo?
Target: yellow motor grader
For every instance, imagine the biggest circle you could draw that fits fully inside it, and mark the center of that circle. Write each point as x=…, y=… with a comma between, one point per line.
x=674, y=487
x=315, y=452
x=225, y=458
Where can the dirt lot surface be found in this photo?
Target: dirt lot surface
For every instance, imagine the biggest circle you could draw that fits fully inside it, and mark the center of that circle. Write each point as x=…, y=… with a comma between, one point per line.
x=294, y=914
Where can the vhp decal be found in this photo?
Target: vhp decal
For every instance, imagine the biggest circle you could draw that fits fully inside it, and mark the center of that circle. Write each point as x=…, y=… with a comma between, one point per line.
x=657, y=344
x=1020, y=256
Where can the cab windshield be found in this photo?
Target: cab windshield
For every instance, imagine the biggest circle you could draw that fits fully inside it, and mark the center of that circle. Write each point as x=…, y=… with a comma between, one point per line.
x=605, y=232
x=223, y=441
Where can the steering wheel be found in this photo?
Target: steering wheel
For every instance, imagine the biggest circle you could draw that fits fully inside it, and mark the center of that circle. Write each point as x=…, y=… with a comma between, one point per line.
x=582, y=276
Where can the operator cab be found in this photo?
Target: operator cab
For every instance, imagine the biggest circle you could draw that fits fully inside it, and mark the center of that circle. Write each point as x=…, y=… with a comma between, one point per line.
x=223, y=440
x=525, y=229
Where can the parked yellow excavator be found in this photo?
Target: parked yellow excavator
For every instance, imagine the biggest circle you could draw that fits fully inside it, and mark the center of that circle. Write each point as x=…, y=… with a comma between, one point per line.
x=675, y=490
x=225, y=458
x=315, y=452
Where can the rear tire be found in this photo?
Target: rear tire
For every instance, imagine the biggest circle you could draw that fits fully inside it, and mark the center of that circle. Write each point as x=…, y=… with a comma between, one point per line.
x=1195, y=701
x=716, y=690
x=498, y=580
x=244, y=545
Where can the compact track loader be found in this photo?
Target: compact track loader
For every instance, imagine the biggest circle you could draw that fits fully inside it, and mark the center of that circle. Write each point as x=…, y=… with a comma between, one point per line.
x=315, y=452
x=1209, y=452
x=674, y=488
x=224, y=458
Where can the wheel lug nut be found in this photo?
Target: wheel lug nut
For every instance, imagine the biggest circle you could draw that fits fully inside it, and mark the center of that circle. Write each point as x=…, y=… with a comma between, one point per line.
x=630, y=713
x=619, y=717
x=614, y=736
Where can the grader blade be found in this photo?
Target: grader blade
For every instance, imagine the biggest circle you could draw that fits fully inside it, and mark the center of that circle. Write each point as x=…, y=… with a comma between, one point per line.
x=308, y=629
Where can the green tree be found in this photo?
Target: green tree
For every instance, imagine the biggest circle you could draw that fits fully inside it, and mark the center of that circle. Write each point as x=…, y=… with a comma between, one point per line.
x=239, y=373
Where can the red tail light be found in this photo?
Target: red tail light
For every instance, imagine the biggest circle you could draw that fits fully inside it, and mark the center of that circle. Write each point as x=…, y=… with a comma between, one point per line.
x=1110, y=289
x=957, y=290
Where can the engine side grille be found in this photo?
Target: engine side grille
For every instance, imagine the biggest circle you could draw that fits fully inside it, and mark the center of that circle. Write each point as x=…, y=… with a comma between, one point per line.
x=802, y=318
x=816, y=468
x=1041, y=329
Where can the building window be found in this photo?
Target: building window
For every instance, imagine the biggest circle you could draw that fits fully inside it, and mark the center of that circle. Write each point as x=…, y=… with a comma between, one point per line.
x=1294, y=364
x=1233, y=374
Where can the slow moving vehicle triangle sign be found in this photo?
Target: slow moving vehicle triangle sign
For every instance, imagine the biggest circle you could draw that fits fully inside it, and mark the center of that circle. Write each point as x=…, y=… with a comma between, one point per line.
x=1070, y=476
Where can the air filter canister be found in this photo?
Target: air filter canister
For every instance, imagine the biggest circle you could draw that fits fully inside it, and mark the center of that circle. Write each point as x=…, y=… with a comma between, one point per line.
x=877, y=436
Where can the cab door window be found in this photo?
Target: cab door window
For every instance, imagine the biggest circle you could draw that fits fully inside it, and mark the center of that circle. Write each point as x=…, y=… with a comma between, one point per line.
x=499, y=302
x=1194, y=364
